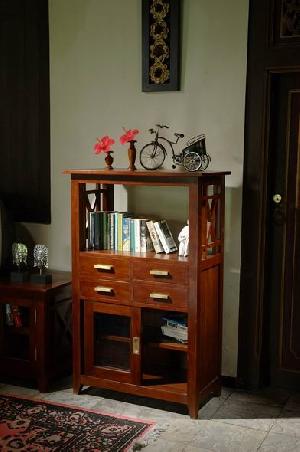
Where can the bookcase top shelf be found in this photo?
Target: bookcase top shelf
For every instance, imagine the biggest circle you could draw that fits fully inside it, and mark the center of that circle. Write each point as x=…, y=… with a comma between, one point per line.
x=125, y=173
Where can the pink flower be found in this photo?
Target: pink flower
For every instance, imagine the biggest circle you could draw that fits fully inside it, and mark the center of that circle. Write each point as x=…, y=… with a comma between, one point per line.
x=129, y=135
x=103, y=144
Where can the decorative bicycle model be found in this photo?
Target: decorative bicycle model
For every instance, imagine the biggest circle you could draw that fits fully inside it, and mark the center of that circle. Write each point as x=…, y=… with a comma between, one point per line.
x=193, y=157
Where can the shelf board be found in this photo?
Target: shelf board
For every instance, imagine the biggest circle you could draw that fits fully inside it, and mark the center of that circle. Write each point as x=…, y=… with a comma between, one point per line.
x=159, y=382
x=147, y=255
x=176, y=346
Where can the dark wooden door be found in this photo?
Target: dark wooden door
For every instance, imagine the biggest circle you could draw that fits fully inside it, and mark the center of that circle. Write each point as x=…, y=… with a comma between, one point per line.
x=283, y=288
x=269, y=300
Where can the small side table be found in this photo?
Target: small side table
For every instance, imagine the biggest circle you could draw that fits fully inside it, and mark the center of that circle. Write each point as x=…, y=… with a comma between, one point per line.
x=35, y=329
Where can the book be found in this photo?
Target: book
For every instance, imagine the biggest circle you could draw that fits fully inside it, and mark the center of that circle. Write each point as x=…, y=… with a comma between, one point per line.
x=158, y=248
x=111, y=226
x=126, y=234
x=137, y=235
x=132, y=237
x=91, y=231
x=145, y=240
x=165, y=236
x=98, y=242
x=119, y=231
x=175, y=326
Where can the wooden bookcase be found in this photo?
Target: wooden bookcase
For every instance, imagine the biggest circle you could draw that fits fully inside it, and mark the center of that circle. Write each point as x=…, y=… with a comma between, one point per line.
x=117, y=340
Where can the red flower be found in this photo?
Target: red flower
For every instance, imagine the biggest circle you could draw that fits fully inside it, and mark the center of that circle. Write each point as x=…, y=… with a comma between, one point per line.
x=103, y=144
x=129, y=135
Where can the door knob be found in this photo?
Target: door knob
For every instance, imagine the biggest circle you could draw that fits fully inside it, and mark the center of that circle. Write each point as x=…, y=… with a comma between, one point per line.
x=277, y=198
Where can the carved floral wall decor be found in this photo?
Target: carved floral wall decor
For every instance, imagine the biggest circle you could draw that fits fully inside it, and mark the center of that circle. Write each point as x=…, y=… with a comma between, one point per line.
x=161, y=46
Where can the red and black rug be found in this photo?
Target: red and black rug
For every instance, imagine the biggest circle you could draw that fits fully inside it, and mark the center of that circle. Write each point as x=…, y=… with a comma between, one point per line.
x=29, y=425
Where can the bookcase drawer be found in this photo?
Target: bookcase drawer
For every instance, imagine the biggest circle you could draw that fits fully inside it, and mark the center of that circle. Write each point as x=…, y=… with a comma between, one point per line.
x=158, y=270
x=104, y=267
x=109, y=291
x=159, y=294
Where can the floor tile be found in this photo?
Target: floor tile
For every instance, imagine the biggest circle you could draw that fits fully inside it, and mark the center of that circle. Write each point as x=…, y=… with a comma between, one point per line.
x=162, y=445
x=293, y=403
x=217, y=436
x=249, y=415
x=276, y=442
x=268, y=396
x=287, y=426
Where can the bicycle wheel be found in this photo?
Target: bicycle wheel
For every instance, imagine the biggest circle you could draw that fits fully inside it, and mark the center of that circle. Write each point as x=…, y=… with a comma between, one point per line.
x=152, y=156
x=205, y=160
x=192, y=161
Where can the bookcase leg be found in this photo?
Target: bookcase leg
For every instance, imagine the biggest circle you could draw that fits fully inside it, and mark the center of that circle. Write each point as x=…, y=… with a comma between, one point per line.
x=193, y=409
x=77, y=388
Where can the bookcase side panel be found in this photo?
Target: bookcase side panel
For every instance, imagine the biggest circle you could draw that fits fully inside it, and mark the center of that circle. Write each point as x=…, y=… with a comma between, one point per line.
x=78, y=218
x=194, y=301
x=209, y=328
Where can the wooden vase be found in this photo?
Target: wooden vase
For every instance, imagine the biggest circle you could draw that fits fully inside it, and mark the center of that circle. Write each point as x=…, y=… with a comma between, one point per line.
x=109, y=160
x=132, y=155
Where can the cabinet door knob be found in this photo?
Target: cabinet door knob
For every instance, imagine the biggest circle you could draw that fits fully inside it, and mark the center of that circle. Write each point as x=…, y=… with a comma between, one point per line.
x=104, y=267
x=277, y=198
x=159, y=272
x=159, y=296
x=103, y=289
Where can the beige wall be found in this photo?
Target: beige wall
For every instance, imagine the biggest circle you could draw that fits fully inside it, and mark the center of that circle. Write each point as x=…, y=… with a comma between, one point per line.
x=95, y=82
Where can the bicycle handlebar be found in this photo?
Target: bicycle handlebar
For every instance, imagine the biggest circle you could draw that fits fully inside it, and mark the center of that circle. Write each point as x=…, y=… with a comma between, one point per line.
x=162, y=126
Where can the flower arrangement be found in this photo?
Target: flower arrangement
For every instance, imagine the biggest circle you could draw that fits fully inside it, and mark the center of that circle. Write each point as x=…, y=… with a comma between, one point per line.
x=104, y=145
x=129, y=135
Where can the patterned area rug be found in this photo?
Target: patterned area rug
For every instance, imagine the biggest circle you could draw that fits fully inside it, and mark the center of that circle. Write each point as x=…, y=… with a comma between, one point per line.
x=30, y=425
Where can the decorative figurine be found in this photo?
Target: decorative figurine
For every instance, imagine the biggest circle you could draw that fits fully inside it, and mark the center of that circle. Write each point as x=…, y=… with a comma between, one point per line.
x=183, y=238
x=40, y=256
x=19, y=259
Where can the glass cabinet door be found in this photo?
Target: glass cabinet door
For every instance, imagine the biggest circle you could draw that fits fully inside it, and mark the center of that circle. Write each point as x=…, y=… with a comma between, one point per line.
x=110, y=344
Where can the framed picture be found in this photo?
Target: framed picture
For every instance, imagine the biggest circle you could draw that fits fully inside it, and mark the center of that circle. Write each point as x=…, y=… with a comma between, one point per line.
x=160, y=45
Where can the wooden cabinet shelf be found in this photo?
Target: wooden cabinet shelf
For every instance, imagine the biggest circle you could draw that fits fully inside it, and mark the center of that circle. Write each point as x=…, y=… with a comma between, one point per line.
x=121, y=299
x=168, y=345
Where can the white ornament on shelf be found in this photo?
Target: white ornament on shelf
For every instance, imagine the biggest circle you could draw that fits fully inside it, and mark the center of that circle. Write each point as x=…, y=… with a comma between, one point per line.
x=183, y=238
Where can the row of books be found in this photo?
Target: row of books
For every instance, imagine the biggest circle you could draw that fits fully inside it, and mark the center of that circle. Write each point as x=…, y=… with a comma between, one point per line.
x=120, y=231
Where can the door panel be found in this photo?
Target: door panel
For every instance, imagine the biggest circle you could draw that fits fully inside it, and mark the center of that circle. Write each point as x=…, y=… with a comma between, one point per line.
x=290, y=352
x=110, y=332
x=284, y=252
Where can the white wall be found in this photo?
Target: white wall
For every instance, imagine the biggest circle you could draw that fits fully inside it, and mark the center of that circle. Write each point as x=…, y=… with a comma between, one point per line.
x=95, y=82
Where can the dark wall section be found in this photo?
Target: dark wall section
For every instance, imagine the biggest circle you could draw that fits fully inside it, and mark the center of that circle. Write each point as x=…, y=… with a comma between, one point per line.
x=24, y=109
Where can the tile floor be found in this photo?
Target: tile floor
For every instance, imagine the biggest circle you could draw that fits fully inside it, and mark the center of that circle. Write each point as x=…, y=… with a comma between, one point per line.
x=268, y=420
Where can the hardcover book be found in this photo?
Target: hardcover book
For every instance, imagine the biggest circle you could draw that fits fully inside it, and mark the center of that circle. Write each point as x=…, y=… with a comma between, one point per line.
x=126, y=234
x=158, y=248
x=146, y=242
x=165, y=236
x=91, y=231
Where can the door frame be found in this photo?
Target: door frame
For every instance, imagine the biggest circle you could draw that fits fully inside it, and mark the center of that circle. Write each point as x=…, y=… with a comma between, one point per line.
x=253, y=340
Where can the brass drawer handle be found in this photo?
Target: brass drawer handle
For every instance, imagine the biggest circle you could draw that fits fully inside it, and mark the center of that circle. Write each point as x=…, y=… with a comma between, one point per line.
x=104, y=267
x=136, y=345
x=159, y=272
x=159, y=296
x=103, y=289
